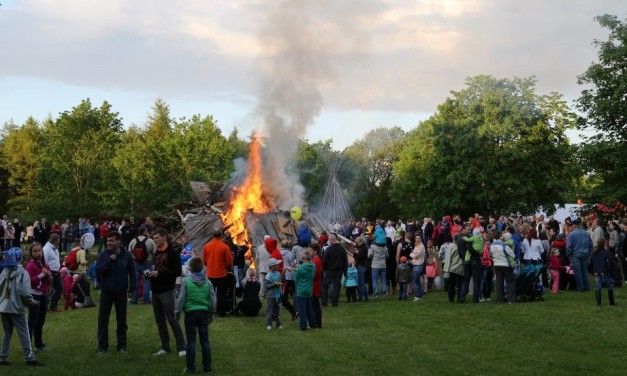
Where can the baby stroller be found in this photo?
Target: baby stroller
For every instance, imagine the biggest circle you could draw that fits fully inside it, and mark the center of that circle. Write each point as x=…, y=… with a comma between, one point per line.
x=529, y=285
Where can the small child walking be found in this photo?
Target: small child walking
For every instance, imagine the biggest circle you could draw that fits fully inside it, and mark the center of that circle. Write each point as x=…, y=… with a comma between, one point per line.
x=197, y=299
x=68, y=285
x=15, y=298
x=555, y=267
x=272, y=284
x=602, y=264
x=403, y=277
x=351, y=282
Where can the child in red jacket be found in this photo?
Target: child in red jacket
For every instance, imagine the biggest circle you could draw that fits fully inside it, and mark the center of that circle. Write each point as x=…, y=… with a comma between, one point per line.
x=68, y=285
x=555, y=266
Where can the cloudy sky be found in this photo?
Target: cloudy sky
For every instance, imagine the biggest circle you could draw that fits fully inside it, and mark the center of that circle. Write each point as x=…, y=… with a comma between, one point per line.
x=359, y=65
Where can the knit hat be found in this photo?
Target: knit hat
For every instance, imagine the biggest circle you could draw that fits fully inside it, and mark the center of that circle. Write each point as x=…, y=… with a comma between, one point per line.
x=76, y=277
x=403, y=259
x=273, y=262
x=64, y=270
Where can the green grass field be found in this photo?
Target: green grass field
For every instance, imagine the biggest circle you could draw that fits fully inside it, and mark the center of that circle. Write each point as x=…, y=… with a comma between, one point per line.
x=566, y=334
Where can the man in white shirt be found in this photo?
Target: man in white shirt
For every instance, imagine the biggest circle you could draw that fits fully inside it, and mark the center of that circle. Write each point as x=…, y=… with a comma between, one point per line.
x=597, y=232
x=390, y=231
x=51, y=255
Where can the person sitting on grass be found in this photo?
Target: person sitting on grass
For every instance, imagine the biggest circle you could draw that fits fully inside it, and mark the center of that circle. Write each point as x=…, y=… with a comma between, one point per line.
x=250, y=304
x=198, y=300
x=15, y=298
x=80, y=290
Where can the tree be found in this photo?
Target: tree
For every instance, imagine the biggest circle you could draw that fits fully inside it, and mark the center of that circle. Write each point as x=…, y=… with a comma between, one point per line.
x=372, y=159
x=493, y=147
x=605, y=103
x=75, y=158
x=20, y=152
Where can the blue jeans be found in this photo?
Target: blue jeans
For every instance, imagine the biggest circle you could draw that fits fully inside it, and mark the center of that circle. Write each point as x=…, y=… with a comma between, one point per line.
x=485, y=270
x=416, y=280
x=606, y=281
x=402, y=292
x=197, y=321
x=140, y=267
x=361, y=283
x=304, y=305
x=579, y=263
x=376, y=274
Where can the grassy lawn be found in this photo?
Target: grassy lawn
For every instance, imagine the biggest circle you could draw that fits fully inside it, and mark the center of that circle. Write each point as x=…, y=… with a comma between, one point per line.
x=566, y=334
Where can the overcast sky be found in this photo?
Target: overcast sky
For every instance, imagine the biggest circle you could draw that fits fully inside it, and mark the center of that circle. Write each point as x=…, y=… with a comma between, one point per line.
x=376, y=63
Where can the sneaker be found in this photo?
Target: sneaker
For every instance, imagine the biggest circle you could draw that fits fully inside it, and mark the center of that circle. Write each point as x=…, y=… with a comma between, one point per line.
x=268, y=327
x=280, y=327
x=482, y=300
x=416, y=299
x=161, y=352
x=123, y=351
x=295, y=316
x=182, y=353
x=185, y=371
x=488, y=300
x=101, y=352
x=33, y=363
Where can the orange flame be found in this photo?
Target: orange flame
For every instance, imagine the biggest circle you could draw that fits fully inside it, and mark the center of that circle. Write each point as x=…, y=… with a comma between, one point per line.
x=248, y=196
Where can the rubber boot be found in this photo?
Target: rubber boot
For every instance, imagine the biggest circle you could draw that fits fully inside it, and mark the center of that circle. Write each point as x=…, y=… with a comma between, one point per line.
x=610, y=294
x=598, y=295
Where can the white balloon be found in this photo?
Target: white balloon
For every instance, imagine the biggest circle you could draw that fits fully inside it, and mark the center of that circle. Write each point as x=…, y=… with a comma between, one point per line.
x=87, y=240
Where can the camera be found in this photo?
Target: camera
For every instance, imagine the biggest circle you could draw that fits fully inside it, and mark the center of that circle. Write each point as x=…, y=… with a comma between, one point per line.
x=146, y=273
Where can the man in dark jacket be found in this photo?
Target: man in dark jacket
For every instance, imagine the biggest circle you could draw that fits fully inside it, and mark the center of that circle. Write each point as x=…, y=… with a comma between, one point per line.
x=334, y=264
x=472, y=264
x=116, y=275
x=167, y=266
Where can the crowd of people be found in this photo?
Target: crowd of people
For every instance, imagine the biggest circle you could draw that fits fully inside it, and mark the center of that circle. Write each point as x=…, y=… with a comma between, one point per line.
x=370, y=260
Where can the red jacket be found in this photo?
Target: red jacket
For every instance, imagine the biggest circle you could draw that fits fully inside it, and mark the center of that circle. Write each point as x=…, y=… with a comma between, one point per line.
x=554, y=263
x=317, y=282
x=274, y=252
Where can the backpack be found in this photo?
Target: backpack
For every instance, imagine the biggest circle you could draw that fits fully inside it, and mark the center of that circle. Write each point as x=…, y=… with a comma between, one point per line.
x=140, y=252
x=71, y=261
x=486, y=259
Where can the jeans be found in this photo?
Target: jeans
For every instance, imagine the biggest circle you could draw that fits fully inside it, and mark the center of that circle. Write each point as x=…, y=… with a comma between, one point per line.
x=197, y=321
x=332, y=279
x=455, y=282
x=579, y=263
x=486, y=281
x=163, y=309
x=304, y=306
x=273, y=310
x=606, y=281
x=416, y=280
x=57, y=290
x=37, y=319
x=402, y=292
x=139, y=268
x=505, y=274
x=317, y=312
x=376, y=274
x=361, y=281
x=107, y=301
x=472, y=270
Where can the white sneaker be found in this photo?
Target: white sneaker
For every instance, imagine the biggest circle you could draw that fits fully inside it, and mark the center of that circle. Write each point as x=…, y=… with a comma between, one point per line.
x=482, y=300
x=182, y=353
x=160, y=352
x=269, y=327
x=280, y=327
x=416, y=299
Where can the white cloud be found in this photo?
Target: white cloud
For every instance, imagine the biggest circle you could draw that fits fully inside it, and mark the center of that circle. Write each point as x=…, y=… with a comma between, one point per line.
x=386, y=55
